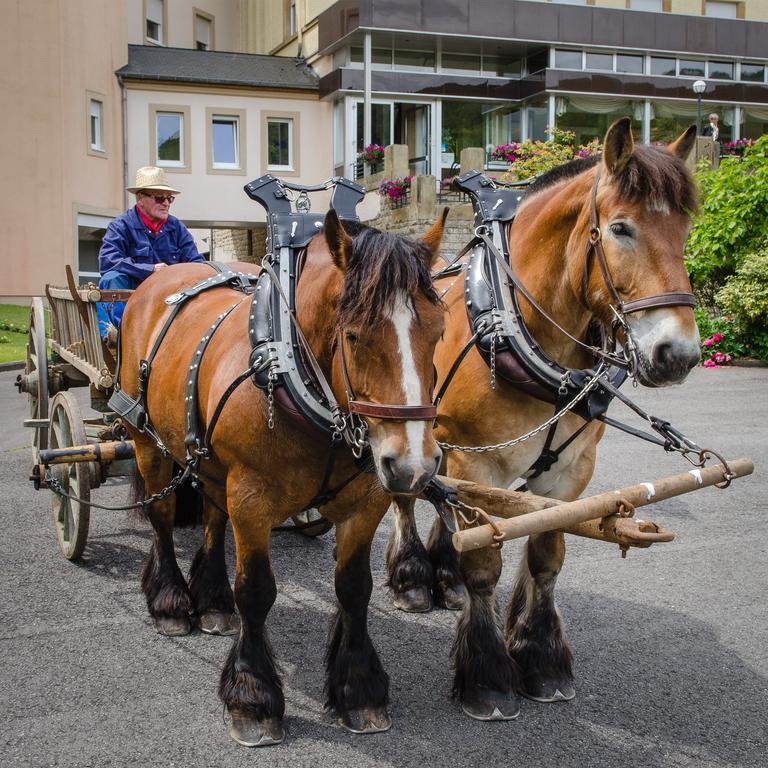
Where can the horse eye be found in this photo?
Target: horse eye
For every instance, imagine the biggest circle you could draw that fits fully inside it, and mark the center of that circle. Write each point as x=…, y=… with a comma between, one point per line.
x=352, y=337
x=620, y=229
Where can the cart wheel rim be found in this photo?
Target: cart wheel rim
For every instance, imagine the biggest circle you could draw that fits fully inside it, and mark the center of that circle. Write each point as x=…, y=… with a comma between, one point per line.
x=37, y=367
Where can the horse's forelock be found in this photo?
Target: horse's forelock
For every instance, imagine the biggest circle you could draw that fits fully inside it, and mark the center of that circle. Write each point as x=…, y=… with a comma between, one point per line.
x=382, y=267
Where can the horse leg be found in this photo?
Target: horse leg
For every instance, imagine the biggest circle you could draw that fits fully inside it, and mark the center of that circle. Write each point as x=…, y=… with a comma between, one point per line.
x=410, y=574
x=357, y=687
x=485, y=675
x=449, y=590
x=250, y=686
x=164, y=587
x=208, y=582
x=535, y=634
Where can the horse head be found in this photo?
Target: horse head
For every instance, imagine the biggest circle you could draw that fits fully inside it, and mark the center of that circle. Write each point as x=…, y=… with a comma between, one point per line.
x=388, y=321
x=639, y=215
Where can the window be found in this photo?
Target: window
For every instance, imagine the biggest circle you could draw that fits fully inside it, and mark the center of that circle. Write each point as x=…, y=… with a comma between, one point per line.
x=721, y=70
x=381, y=58
x=381, y=124
x=752, y=73
x=203, y=31
x=155, y=21
x=289, y=25
x=721, y=9
x=280, y=142
x=414, y=60
x=568, y=59
x=169, y=137
x=537, y=61
x=96, y=125
x=629, y=64
x=501, y=66
x=645, y=5
x=225, y=139
x=461, y=62
x=691, y=68
x=661, y=66
x=600, y=61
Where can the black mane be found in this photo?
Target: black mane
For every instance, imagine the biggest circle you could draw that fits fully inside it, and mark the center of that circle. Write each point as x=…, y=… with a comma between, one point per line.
x=653, y=175
x=381, y=267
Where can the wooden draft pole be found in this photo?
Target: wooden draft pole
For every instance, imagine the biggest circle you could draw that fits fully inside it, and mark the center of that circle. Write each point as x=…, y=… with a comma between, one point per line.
x=562, y=516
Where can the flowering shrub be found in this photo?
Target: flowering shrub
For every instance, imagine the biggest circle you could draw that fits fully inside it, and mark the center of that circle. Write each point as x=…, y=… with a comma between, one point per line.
x=594, y=147
x=717, y=357
x=507, y=152
x=737, y=147
x=395, y=189
x=372, y=154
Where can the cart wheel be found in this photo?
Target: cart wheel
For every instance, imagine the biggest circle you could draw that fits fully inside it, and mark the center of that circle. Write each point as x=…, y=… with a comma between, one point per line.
x=34, y=380
x=70, y=517
x=321, y=525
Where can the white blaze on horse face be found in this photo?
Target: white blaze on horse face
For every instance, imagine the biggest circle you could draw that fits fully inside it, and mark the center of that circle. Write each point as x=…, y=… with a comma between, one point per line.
x=402, y=319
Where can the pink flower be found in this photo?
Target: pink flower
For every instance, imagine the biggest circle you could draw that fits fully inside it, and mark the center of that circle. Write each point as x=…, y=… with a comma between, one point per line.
x=717, y=337
x=710, y=364
x=728, y=358
x=708, y=342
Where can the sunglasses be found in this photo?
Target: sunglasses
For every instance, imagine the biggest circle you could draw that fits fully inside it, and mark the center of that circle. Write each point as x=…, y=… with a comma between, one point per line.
x=160, y=199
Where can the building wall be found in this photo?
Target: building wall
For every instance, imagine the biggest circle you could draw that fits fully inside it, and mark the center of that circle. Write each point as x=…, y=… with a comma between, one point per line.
x=179, y=15
x=267, y=31
x=209, y=199
x=52, y=53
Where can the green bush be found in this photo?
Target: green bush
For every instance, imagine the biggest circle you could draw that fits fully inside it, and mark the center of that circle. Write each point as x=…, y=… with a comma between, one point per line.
x=732, y=222
x=535, y=157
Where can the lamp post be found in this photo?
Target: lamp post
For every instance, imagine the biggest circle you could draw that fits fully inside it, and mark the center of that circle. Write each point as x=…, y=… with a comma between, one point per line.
x=698, y=88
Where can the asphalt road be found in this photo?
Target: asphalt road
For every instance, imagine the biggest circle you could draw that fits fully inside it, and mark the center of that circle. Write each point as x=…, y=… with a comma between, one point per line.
x=671, y=644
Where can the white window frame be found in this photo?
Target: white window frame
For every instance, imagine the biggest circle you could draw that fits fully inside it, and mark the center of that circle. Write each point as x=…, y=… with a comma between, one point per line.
x=720, y=4
x=100, y=148
x=290, y=121
x=173, y=166
x=234, y=121
x=161, y=22
x=209, y=20
x=238, y=118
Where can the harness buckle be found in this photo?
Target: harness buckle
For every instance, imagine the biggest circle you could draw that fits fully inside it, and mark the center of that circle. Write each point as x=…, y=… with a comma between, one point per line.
x=595, y=235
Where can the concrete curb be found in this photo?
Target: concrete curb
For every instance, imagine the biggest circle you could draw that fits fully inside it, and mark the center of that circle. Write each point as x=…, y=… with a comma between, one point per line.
x=14, y=365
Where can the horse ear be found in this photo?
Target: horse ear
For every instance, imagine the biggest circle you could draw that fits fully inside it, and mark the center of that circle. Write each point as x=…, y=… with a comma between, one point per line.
x=339, y=242
x=684, y=143
x=618, y=146
x=434, y=235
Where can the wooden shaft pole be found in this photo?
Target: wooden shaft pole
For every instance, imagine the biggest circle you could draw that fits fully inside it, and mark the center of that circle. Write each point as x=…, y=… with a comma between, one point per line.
x=113, y=450
x=570, y=513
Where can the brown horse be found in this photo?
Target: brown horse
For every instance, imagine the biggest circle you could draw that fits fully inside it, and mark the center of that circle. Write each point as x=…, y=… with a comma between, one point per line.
x=644, y=196
x=369, y=298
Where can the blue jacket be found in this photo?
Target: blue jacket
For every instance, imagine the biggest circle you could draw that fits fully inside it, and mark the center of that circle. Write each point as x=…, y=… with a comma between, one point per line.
x=130, y=248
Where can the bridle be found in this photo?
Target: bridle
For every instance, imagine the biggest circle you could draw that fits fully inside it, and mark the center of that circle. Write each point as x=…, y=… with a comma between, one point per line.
x=621, y=308
x=362, y=409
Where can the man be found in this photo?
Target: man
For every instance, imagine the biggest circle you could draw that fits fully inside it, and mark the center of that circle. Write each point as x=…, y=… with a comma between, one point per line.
x=713, y=128
x=140, y=242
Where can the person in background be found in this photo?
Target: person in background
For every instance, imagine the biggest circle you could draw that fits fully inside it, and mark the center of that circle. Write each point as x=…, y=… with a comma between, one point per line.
x=713, y=129
x=140, y=242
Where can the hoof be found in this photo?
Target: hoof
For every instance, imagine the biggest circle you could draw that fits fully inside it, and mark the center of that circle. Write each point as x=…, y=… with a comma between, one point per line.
x=173, y=626
x=414, y=600
x=485, y=704
x=219, y=623
x=256, y=733
x=369, y=720
x=549, y=691
x=451, y=598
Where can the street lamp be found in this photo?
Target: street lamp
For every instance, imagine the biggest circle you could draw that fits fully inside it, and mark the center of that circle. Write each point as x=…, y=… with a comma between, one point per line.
x=698, y=88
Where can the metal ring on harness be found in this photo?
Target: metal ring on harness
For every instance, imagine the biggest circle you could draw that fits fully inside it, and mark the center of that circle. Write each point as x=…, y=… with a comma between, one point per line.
x=728, y=474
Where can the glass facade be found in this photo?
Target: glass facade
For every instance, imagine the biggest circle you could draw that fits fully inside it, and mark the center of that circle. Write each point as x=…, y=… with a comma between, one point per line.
x=670, y=118
x=589, y=117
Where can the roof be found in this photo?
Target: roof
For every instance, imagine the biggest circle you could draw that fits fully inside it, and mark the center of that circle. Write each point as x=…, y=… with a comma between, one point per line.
x=217, y=68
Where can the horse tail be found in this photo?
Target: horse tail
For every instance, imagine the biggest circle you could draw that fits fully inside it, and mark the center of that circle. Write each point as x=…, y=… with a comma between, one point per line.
x=189, y=502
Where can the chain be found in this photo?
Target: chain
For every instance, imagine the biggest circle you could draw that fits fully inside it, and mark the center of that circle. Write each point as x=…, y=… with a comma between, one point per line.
x=474, y=516
x=271, y=400
x=593, y=382
x=493, y=360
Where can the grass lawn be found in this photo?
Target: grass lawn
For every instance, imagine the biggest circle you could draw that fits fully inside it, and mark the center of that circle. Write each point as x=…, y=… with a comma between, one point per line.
x=13, y=346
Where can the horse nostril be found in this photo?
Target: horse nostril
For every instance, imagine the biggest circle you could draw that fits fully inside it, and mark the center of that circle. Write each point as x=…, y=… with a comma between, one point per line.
x=662, y=355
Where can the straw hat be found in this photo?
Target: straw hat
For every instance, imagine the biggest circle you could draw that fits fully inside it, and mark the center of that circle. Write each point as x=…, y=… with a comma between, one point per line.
x=151, y=177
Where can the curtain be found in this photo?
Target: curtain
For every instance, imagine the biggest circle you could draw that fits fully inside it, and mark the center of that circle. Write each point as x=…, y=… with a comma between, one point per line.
x=595, y=105
x=690, y=110
x=756, y=113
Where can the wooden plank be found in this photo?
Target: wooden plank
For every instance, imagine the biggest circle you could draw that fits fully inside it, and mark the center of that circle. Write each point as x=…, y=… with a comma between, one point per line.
x=564, y=515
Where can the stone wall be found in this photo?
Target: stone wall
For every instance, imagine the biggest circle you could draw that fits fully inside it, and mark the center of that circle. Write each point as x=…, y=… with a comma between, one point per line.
x=239, y=244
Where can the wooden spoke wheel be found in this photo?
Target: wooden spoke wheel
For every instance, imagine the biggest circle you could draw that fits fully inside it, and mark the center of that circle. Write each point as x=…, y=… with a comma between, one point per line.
x=34, y=380
x=311, y=523
x=70, y=516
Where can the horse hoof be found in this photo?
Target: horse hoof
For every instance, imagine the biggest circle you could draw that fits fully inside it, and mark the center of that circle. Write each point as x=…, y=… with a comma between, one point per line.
x=173, y=626
x=485, y=704
x=219, y=623
x=256, y=733
x=451, y=598
x=550, y=691
x=414, y=600
x=367, y=720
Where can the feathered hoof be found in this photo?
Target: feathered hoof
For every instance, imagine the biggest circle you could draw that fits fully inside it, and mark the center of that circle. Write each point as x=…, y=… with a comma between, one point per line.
x=550, y=691
x=219, y=623
x=414, y=600
x=366, y=720
x=173, y=626
x=256, y=733
x=485, y=704
x=451, y=598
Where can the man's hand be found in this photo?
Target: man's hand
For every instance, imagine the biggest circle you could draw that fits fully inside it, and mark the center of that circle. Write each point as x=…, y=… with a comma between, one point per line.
x=159, y=266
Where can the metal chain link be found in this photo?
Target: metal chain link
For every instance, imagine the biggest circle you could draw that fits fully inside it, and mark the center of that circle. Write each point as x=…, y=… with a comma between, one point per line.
x=593, y=382
x=271, y=399
x=493, y=360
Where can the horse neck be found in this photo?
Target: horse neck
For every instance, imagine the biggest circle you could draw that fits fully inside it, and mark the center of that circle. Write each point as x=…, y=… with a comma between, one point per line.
x=547, y=244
